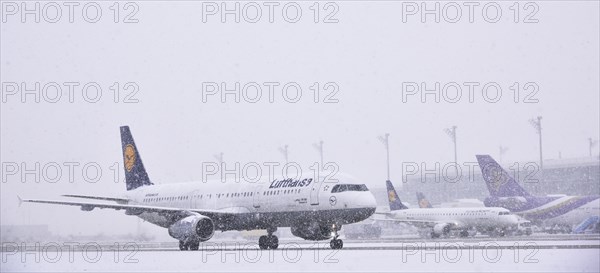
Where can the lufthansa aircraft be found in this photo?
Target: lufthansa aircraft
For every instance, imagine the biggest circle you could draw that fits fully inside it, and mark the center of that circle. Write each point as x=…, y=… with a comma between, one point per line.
x=191, y=212
x=564, y=211
x=423, y=202
x=436, y=222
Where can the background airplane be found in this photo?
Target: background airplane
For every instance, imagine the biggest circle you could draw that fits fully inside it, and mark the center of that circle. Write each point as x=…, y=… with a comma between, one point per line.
x=436, y=222
x=524, y=226
x=562, y=210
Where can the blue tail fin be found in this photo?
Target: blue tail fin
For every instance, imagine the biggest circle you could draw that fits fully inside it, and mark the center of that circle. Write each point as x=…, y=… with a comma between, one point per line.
x=423, y=203
x=395, y=203
x=135, y=174
x=498, y=181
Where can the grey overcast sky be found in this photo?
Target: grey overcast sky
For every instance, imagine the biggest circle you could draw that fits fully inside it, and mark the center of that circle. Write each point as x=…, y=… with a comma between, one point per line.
x=368, y=54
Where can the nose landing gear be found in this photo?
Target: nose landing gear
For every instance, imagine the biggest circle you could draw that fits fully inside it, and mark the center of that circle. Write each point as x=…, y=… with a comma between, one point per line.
x=335, y=242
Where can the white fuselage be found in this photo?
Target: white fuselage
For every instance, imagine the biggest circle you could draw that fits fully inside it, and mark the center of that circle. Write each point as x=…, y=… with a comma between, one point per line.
x=280, y=202
x=573, y=216
x=460, y=218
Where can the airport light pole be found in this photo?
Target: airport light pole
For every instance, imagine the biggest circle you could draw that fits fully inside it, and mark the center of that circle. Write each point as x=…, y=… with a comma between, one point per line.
x=503, y=150
x=219, y=158
x=451, y=132
x=284, y=151
x=592, y=143
x=385, y=140
x=537, y=125
x=319, y=148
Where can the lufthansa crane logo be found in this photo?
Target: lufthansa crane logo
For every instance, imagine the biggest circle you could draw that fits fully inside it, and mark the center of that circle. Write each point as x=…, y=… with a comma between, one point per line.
x=392, y=196
x=332, y=200
x=129, y=157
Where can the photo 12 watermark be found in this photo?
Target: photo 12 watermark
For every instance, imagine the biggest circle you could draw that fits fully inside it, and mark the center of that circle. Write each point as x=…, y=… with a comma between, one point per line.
x=270, y=12
x=69, y=12
x=270, y=92
x=451, y=172
x=470, y=92
x=470, y=252
x=70, y=92
x=69, y=252
x=488, y=12
x=271, y=172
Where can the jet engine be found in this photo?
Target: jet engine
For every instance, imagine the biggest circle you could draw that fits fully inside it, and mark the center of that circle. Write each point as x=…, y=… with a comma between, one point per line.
x=198, y=228
x=441, y=229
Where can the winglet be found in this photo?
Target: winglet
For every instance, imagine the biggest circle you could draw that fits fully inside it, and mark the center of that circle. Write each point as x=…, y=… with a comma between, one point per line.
x=20, y=200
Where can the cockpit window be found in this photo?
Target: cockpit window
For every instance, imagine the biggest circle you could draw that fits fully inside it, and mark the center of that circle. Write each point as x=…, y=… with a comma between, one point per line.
x=341, y=188
x=349, y=187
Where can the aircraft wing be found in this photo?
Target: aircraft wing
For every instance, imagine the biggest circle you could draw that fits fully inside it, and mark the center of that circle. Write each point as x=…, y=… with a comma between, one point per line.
x=176, y=213
x=422, y=223
x=118, y=200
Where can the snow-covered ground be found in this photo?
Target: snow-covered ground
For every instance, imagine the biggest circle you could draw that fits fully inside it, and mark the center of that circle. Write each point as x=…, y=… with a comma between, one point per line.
x=444, y=256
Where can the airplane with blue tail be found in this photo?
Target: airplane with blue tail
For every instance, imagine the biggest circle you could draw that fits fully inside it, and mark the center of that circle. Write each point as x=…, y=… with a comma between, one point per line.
x=423, y=202
x=192, y=212
x=443, y=222
x=564, y=211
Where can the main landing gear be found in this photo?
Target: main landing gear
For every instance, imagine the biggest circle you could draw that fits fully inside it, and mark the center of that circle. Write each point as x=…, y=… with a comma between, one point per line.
x=189, y=245
x=335, y=242
x=269, y=241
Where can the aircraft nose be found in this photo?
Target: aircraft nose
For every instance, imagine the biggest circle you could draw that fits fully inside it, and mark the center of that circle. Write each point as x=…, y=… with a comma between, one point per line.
x=512, y=221
x=360, y=200
x=368, y=200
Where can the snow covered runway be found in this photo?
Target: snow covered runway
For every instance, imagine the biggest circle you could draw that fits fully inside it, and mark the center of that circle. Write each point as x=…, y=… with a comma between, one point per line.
x=535, y=253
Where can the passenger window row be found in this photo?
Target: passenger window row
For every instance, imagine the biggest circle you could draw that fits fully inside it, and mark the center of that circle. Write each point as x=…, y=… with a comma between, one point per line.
x=277, y=192
x=450, y=214
x=219, y=195
x=199, y=196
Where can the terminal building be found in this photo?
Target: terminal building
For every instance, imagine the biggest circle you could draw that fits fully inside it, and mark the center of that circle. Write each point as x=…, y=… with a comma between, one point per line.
x=578, y=176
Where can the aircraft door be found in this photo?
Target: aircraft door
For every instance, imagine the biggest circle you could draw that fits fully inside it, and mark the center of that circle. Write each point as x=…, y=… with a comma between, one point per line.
x=256, y=196
x=314, y=191
x=195, y=201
